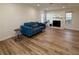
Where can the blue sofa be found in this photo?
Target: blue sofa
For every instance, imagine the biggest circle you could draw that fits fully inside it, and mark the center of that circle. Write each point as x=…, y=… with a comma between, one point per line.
x=31, y=28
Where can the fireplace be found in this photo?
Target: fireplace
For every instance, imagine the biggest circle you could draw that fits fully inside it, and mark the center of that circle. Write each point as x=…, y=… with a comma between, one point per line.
x=56, y=23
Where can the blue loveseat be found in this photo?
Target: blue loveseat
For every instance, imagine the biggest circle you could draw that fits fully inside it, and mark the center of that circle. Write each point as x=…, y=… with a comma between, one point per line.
x=31, y=28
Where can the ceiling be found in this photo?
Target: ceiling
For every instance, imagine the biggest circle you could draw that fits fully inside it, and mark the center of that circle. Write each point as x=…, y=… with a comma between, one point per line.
x=48, y=6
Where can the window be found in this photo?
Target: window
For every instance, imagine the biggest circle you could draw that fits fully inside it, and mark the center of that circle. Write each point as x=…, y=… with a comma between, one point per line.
x=68, y=19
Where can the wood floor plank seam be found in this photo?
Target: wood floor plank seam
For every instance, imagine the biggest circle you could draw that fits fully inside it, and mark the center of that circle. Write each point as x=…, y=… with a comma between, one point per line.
x=49, y=42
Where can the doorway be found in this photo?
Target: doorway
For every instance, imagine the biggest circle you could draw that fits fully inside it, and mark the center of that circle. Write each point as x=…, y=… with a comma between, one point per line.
x=68, y=20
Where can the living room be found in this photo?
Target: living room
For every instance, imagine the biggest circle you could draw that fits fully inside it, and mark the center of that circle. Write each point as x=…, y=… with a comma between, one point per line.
x=14, y=15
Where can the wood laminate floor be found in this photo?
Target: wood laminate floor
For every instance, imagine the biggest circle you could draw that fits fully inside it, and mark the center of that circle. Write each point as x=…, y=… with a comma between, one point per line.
x=49, y=42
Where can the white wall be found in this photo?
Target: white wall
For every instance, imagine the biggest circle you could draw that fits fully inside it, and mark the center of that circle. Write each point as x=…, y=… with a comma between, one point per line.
x=14, y=15
x=75, y=22
x=75, y=19
x=58, y=13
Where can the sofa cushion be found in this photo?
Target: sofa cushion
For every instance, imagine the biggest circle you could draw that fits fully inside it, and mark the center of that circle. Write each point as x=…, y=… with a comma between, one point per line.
x=31, y=24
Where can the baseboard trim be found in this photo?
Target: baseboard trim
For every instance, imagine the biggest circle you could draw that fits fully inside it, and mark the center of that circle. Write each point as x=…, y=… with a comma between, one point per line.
x=7, y=38
x=73, y=29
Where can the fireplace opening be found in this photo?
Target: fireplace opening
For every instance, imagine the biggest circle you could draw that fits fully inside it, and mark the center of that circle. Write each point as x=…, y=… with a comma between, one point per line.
x=56, y=23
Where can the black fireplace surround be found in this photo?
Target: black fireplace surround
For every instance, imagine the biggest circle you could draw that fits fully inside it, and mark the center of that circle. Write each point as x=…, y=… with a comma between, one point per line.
x=56, y=23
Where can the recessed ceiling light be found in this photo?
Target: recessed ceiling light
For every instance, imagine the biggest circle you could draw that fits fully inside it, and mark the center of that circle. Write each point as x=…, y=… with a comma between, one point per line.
x=38, y=4
x=63, y=7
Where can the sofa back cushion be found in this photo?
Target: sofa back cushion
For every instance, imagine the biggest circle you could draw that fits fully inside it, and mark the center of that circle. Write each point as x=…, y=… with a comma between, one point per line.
x=31, y=24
